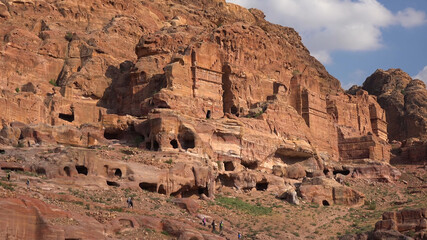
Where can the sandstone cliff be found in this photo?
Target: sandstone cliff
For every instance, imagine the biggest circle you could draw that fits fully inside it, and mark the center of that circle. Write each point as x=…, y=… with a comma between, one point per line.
x=178, y=99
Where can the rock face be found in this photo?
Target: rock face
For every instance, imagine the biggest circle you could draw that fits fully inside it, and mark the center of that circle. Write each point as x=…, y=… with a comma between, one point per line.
x=404, y=220
x=29, y=218
x=136, y=62
x=403, y=99
x=231, y=99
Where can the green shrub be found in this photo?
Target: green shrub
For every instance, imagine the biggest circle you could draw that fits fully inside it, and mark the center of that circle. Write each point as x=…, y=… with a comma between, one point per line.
x=68, y=36
x=17, y=89
x=169, y=161
x=53, y=82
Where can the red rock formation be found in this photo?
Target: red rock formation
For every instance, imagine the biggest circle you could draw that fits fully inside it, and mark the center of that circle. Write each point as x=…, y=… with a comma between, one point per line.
x=403, y=221
x=29, y=218
x=404, y=100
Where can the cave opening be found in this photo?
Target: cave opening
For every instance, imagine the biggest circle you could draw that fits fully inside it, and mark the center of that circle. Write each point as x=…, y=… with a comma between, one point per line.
x=226, y=180
x=344, y=172
x=174, y=143
x=162, y=189
x=261, y=186
x=326, y=171
x=111, y=136
x=156, y=146
x=325, y=203
x=41, y=171
x=81, y=169
x=208, y=114
x=67, y=117
x=67, y=171
x=229, y=166
x=113, y=184
x=118, y=173
x=15, y=169
x=187, y=140
x=250, y=165
x=151, y=187
x=148, y=145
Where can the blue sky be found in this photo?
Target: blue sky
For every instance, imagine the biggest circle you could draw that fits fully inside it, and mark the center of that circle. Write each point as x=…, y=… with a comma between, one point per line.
x=353, y=38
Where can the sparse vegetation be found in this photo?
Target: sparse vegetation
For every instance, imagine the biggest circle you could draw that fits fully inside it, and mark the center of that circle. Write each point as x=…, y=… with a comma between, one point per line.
x=7, y=186
x=239, y=204
x=53, y=82
x=68, y=36
x=17, y=90
x=296, y=73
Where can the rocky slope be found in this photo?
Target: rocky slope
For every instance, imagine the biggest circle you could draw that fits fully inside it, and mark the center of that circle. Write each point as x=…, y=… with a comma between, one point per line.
x=179, y=105
x=405, y=102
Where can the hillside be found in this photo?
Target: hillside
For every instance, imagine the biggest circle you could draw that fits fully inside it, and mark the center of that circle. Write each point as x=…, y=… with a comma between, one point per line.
x=195, y=111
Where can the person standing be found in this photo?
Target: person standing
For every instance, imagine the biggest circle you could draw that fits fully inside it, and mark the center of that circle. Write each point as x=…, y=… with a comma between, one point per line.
x=239, y=236
x=8, y=176
x=221, y=224
x=213, y=225
x=204, y=221
x=130, y=202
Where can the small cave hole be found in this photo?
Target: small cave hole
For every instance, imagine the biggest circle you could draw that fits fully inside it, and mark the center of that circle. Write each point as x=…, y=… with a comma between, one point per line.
x=67, y=171
x=162, y=189
x=325, y=203
x=156, y=146
x=2, y=151
x=261, y=186
x=151, y=187
x=187, y=140
x=12, y=169
x=174, y=143
x=148, y=145
x=41, y=171
x=111, y=136
x=250, y=165
x=67, y=117
x=326, y=171
x=229, y=166
x=226, y=180
x=118, y=173
x=344, y=172
x=81, y=169
x=208, y=114
x=114, y=184
x=202, y=190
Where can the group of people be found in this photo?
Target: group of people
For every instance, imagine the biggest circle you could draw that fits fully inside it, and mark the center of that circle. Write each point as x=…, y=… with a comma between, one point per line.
x=221, y=226
x=27, y=182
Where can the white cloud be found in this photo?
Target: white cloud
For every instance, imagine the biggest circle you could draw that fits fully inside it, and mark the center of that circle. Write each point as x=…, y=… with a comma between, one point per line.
x=422, y=75
x=330, y=25
x=411, y=17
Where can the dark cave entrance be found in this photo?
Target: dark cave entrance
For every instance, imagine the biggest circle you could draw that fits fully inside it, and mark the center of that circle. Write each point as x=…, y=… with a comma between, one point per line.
x=81, y=169
x=261, y=186
x=113, y=184
x=67, y=171
x=229, y=166
x=67, y=117
x=118, y=173
x=151, y=187
x=344, y=172
x=174, y=143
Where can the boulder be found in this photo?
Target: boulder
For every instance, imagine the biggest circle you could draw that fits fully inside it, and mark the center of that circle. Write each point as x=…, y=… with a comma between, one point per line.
x=188, y=204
